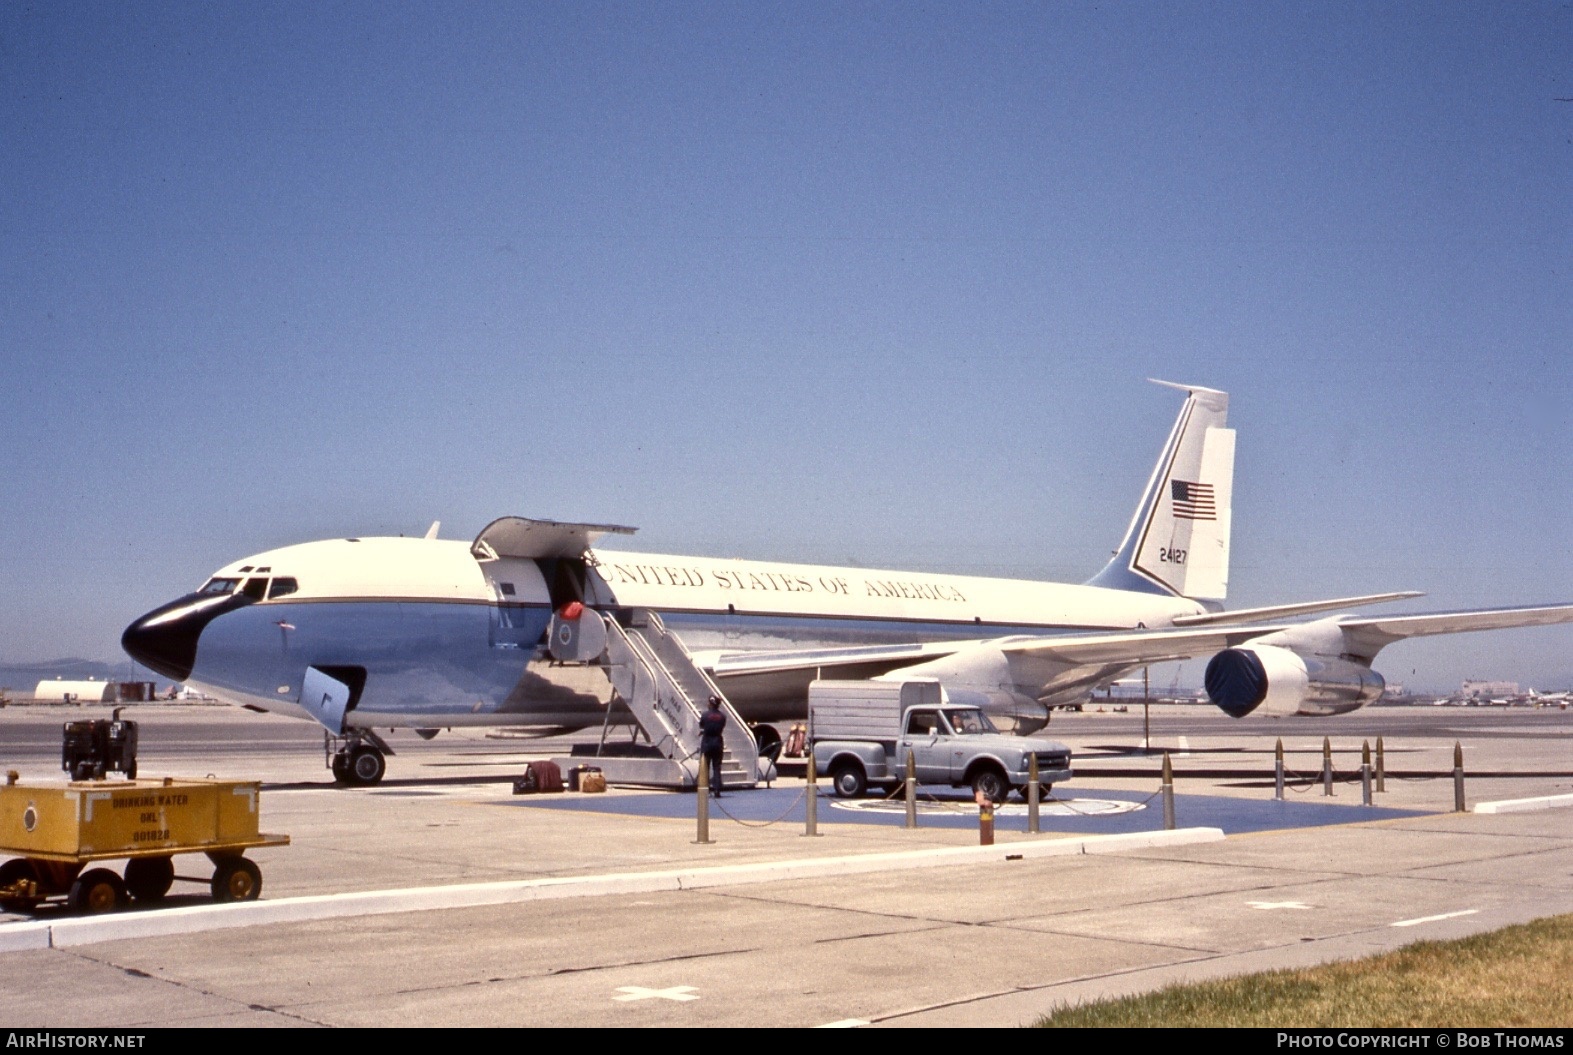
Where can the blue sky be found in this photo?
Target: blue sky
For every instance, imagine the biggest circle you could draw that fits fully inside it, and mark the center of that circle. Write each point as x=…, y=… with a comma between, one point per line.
x=872, y=283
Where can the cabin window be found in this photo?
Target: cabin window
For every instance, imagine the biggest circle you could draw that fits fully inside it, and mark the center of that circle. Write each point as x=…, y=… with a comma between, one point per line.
x=218, y=587
x=256, y=589
x=282, y=586
x=507, y=589
x=923, y=723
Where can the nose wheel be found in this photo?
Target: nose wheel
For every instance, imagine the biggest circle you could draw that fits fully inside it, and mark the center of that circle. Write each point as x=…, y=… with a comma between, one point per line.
x=361, y=761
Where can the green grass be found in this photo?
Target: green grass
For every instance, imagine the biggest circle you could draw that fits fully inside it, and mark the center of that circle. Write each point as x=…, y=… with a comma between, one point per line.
x=1519, y=976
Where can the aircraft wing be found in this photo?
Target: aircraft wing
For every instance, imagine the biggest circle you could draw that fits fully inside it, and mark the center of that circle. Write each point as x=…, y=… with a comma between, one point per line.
x=1124, y=647
x=1369, y=636
x=1362, y=637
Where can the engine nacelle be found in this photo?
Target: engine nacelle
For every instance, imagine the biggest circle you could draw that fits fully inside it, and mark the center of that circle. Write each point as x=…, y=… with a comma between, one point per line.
x=1281, y=682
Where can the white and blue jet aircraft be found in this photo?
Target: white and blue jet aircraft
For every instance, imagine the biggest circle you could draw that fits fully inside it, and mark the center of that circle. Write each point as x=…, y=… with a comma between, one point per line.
x=362, y=634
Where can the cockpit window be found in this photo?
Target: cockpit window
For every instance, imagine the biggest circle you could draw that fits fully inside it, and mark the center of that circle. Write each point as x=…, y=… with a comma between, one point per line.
x=218, y=587
x=256, y=589
x=282, y=586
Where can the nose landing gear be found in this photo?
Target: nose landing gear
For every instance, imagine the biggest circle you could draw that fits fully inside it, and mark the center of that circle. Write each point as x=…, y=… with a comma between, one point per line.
x=358, y=759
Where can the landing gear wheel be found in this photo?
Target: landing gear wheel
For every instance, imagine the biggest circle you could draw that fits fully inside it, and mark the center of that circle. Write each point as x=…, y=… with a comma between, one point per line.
x=359, y=765
x=849, y=780
x=991, y=784
x=149, y=878
x=13, y=872
x=97, y=890
x=367, y=765
x=236, y=879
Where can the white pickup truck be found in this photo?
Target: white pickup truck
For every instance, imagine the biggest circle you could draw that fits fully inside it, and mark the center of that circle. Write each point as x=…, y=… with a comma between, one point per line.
x=862, y=731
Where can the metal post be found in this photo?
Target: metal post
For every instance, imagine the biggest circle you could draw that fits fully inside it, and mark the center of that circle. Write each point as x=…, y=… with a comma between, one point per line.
x=811, y=804
x=702, y=798
x=1458, y=777
x=1034, y=792
x=985, y=820
x=1381, y=767
x=1327, y=766
x=1146, y=714
x=1278, y=770
x=1168, y=794
x=1365, y=773
x=912, y=790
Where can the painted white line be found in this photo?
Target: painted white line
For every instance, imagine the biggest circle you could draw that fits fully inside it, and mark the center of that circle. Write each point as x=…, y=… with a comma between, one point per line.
x=639, y=992
x=1545, y=802
x=1185, y=748
x=1433, y=919
x=845, y=1023
x=1268, y=905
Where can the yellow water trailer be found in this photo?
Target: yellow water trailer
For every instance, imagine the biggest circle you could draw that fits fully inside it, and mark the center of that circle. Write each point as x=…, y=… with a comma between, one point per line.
x=55, y=830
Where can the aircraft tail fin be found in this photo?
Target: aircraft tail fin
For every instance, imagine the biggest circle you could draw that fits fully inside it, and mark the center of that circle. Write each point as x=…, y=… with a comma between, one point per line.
x=1178, y=541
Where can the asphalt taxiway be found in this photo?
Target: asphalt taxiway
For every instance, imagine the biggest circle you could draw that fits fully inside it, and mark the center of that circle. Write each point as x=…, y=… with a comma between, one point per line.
x=440, y=898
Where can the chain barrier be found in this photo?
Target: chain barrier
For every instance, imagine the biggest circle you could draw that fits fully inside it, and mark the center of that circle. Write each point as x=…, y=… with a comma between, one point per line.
x=799, y=797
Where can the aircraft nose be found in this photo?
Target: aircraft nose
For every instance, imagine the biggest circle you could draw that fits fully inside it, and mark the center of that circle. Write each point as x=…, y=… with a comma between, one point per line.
x=165, y=639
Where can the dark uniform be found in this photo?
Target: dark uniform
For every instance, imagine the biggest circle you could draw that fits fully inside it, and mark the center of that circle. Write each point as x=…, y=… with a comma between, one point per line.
x=712, y=724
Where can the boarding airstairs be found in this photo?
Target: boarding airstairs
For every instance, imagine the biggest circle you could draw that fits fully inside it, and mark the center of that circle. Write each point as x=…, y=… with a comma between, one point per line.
x=655, y=678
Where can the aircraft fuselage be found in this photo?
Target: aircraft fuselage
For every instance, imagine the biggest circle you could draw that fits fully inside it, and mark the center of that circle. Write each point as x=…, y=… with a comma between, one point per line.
x=432, y=636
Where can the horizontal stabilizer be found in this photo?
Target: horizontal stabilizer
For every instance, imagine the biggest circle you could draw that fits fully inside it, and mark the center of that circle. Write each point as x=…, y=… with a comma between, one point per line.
x=1285, y=611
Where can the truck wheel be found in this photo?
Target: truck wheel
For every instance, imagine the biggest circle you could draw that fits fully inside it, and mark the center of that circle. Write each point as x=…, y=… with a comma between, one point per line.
x=97, y=890
x=149, y=878
x=849, y=780
x=991, y=784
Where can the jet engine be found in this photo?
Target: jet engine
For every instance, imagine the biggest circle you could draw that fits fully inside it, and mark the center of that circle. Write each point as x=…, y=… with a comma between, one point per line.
x=1281, y=682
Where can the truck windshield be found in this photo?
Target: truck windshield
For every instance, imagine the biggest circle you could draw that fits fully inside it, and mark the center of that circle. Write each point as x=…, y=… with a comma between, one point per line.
x=970, y=721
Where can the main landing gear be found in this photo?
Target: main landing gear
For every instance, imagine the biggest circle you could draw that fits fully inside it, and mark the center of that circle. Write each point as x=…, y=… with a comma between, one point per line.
x=357, y=759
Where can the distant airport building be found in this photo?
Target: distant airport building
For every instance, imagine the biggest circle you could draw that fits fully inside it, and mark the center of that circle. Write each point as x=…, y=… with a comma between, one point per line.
x=60, y=690
x=1489, y=688
x=63, y=691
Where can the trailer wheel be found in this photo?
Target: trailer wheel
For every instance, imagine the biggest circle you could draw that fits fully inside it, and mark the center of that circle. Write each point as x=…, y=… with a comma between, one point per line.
x=149, y=878
x=848, y=779
x=97, y=890
x=13, y=872
x=236, y=879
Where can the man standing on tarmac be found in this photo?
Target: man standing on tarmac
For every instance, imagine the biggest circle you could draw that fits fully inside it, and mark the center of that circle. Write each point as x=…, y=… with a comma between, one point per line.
x=711, y=726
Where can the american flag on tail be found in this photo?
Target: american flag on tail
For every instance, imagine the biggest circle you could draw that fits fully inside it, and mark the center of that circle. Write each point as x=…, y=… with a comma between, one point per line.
x=1192, y=501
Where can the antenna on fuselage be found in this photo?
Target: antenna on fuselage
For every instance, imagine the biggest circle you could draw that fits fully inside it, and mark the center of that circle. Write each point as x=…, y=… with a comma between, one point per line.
x=431, y=532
